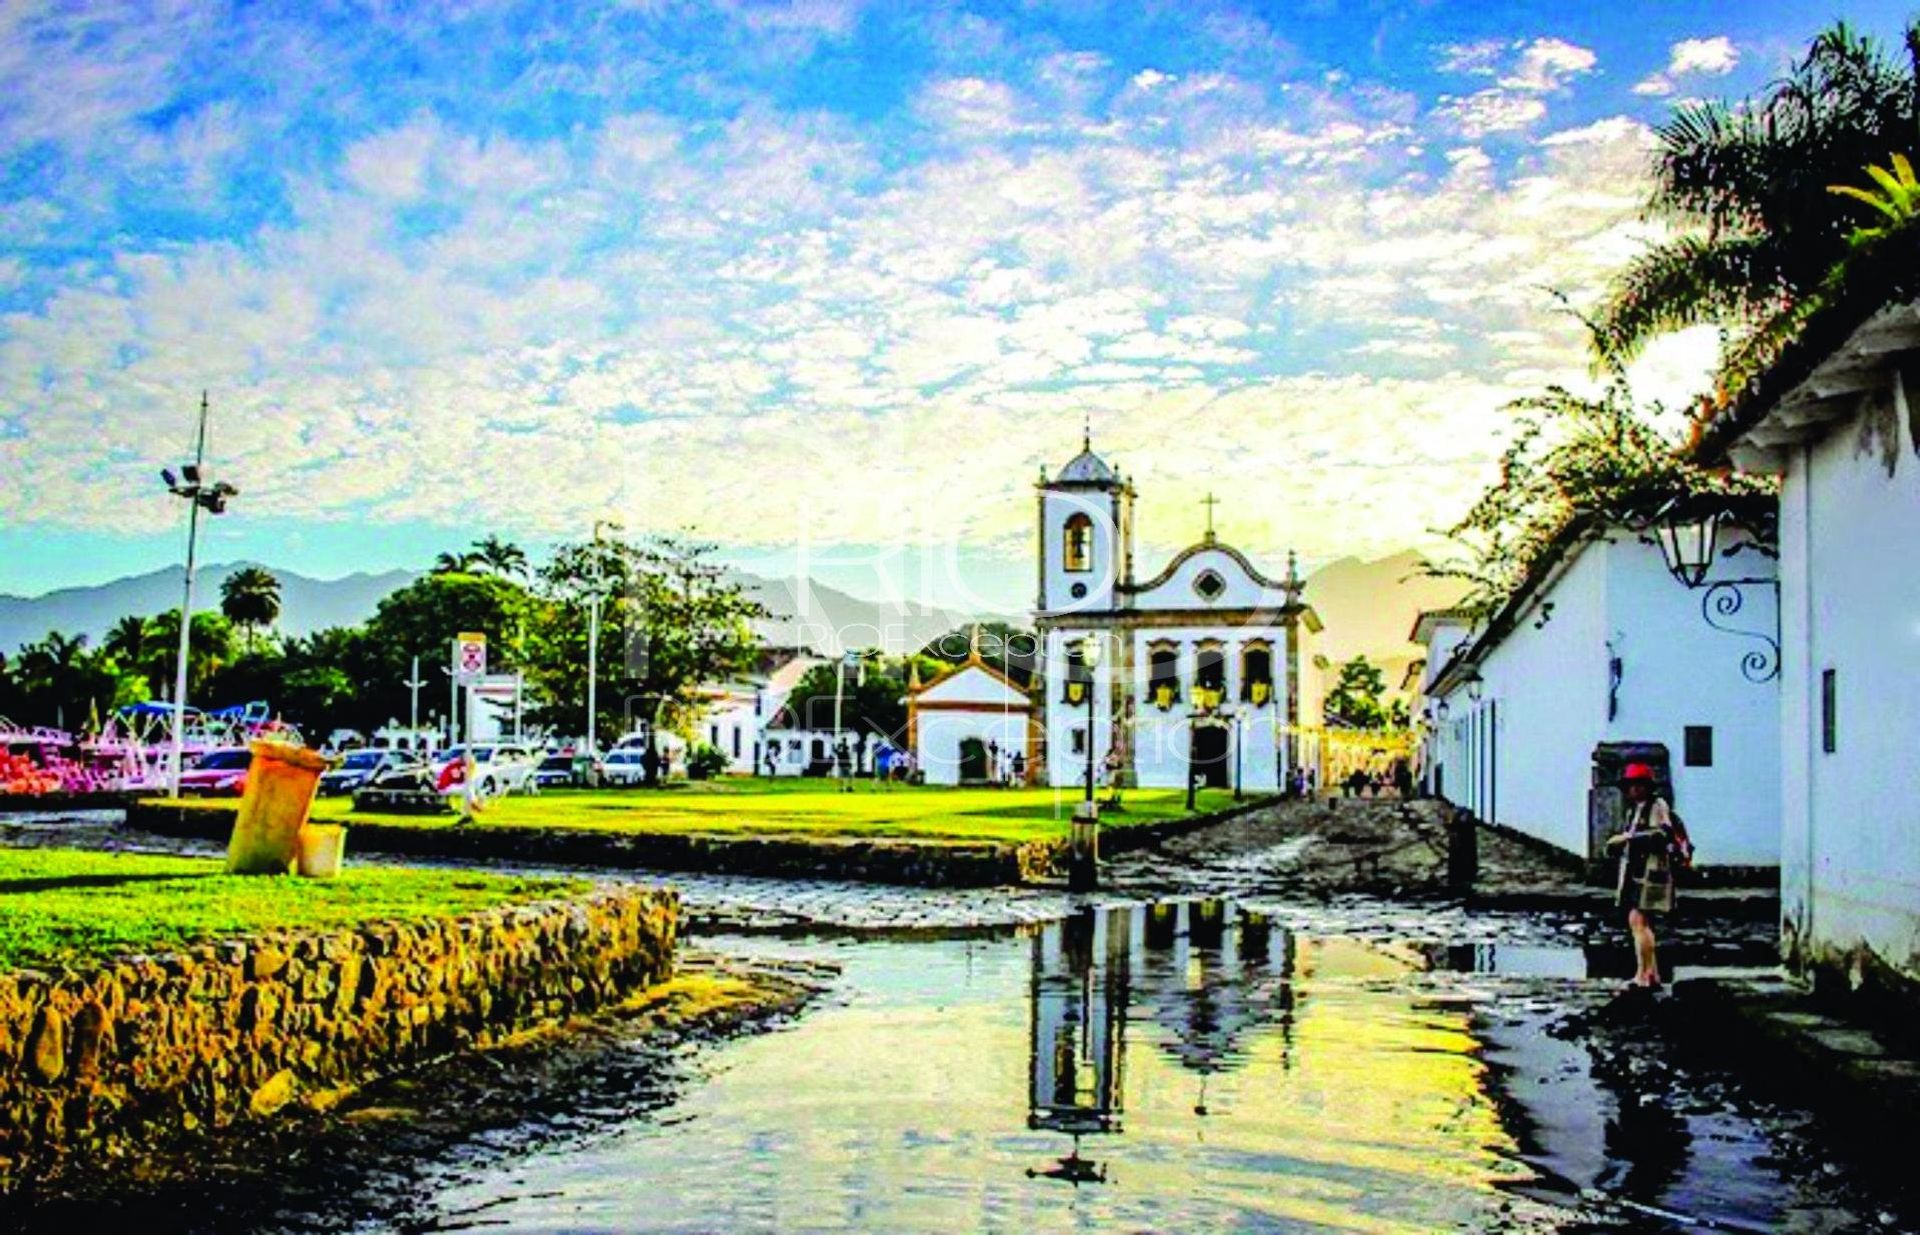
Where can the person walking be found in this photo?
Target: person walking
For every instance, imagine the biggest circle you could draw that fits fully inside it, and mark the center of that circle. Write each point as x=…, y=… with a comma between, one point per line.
x=1652, y=845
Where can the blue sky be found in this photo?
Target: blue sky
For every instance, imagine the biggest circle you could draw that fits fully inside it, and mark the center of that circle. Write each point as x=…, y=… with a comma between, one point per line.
x=822, y=280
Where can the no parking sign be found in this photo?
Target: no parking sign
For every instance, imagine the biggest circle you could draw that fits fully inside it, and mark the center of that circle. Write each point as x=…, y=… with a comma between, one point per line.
x=469, y=658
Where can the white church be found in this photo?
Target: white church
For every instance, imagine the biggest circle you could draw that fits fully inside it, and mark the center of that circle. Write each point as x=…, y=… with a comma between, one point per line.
x=1196, y=670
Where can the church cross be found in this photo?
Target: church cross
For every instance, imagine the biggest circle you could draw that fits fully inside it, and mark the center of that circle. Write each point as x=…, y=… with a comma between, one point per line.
x=1209, y=501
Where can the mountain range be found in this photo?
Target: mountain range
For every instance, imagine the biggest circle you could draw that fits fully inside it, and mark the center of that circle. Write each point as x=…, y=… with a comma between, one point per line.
x=1367, y=606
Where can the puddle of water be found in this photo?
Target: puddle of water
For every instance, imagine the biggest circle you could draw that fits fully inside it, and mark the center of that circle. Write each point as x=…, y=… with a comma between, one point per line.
x=1171, y=1067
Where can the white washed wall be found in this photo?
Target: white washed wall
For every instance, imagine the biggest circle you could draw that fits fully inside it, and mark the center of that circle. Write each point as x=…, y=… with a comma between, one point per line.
x=1064, y=766
x=1678, y=671
x=1522, y=756
x=940, y=734
x=1853, y=836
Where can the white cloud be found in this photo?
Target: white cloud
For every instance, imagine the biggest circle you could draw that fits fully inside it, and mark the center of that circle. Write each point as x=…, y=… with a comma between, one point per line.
x=1491, y=111
x=1710, y=57
x=1545, y=65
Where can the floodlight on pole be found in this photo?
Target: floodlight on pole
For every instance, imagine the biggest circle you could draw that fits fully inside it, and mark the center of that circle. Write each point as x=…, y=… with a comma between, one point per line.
x=212, y=498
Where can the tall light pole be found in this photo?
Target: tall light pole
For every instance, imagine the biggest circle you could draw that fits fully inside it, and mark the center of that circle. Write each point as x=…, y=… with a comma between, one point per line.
x=201, y=494
x=596, y=594
x=414, y=683
x=1083, y=849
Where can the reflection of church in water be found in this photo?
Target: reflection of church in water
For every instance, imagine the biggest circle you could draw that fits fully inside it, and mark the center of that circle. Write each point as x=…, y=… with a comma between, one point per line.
x=1206, y=973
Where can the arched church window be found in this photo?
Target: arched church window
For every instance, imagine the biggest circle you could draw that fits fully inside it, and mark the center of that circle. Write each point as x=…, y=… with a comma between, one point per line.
x=1209, y=676
x=1256, y=672
x=1163, y=675
x=1077, y=547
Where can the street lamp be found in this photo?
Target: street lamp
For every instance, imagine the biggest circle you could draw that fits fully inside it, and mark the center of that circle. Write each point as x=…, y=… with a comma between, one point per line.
x=201, y=494
x=1688, y=539
x=1090, y=657
x=1476, y=685
x=596, y=594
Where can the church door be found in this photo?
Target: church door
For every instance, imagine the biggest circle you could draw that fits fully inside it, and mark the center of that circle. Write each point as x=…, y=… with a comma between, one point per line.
x=1211, y=761
x=973, y=760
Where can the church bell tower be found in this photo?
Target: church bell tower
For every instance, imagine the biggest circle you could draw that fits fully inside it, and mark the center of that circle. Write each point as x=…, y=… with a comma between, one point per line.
x=1086, y=536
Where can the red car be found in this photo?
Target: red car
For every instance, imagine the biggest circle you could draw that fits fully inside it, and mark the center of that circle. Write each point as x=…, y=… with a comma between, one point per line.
x=218, y=772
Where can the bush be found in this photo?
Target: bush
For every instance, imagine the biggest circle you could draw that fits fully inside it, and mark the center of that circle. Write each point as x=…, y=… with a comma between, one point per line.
x=704, y=762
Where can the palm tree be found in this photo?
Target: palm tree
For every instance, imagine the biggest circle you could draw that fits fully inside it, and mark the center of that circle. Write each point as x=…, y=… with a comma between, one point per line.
x=250, y=598
x=455, y=563
x=1746, y=188
x=502, y=557
x=126, y=640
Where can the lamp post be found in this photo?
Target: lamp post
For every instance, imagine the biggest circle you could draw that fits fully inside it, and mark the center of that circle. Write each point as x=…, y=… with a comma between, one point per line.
x=596, y=594
x=1689, y=534
x=211, y=496
x=1083, y=864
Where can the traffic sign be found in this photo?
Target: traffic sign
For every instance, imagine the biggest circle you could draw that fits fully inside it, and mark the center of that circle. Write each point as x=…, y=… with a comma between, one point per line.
x=469, y=658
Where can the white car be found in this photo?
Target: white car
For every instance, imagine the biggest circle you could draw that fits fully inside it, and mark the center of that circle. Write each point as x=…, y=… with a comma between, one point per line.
x=626, y=766
x=497, y=768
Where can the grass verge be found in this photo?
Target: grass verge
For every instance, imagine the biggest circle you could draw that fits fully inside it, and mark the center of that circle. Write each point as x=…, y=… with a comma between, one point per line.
x=810, y=808
x=68, y=907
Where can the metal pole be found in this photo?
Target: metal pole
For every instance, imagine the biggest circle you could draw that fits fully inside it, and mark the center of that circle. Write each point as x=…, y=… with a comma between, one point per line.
x=1239, y=736
x=593, y=671
x=414, y=684
x=186, y=611
x=839, y=688
x=1090, y=744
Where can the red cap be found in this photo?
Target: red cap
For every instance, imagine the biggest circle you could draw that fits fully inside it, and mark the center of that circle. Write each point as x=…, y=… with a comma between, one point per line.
x=1637, y=771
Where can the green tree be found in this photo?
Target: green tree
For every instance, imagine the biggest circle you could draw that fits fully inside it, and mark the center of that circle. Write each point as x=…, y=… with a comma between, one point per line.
x=250, y=599
x=502, y=557
x=1356, y=696
x=210, y=648
x=60, y=681
x=670, y=622
x=1014, y=650
x=873, y=699
x=455, y=563
x=1603, y=459
x=1746, y=188
x=126, y=640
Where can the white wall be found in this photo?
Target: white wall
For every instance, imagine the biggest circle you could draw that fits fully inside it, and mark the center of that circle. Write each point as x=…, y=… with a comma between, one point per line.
x=1064, y=766
x=1678, y=671
x=1852, y=834
x=1522, y=755
x=937, y=743
x=1242, y=591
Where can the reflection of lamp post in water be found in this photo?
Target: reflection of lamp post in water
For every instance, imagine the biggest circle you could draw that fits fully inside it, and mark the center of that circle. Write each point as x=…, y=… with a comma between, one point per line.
x=1083, y=860
x=1077, y=1047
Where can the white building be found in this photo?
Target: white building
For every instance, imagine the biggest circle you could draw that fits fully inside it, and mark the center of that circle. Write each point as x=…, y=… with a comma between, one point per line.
x=738, y=715
x=1196, y=668
x=968, y=725
x=1599, y=659
x=1838, y=419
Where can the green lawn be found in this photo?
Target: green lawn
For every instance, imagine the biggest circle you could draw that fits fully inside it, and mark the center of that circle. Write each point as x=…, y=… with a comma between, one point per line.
x=62, y=906
x=806, y=808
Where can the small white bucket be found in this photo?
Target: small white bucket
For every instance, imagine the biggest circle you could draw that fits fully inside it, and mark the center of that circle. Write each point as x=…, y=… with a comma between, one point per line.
x=322, y=846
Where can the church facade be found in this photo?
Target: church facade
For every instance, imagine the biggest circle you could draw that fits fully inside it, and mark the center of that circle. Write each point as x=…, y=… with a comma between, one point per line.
x=1195, y=670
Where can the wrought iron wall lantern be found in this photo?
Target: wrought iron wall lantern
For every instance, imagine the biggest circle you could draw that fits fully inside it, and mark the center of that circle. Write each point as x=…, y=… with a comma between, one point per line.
x=1476, y=685
x=1689, y=537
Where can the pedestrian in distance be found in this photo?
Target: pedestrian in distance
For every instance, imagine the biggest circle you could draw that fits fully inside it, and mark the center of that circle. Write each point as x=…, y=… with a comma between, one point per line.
x=1652, y=847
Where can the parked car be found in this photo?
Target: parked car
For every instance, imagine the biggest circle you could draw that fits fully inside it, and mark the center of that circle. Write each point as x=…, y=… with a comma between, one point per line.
x=626, y=766
x=497, y=768
x=357, y=768
x=222, y=771
x=560, y=772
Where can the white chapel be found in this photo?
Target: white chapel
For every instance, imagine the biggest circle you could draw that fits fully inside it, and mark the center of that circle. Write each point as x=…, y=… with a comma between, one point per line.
x=1196, y=670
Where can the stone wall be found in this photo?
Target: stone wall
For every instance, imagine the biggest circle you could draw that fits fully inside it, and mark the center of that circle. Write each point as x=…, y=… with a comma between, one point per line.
x=105, y=1062
x=917, y=863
